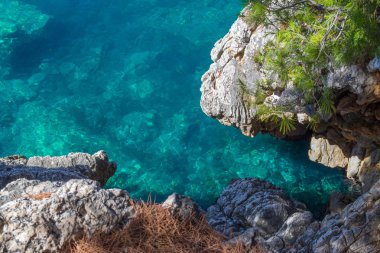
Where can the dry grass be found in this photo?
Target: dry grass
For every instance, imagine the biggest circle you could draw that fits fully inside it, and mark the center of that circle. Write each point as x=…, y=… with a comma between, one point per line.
x=155, y=230
x=39, y=196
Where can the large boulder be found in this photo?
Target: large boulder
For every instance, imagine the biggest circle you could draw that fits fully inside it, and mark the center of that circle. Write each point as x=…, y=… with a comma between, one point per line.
x=47, y=202
x=249, y=205
x=45, y=216
x=255, y=212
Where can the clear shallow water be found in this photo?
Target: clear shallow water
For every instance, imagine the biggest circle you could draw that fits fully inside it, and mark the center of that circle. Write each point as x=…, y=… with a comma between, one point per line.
x=124, y=76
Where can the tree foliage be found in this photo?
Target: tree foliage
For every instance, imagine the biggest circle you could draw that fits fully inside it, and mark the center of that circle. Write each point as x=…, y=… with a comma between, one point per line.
x=315, y=36
x=277, y=116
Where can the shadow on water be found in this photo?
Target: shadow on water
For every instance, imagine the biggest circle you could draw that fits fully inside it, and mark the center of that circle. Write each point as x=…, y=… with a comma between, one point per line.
x=30, y=50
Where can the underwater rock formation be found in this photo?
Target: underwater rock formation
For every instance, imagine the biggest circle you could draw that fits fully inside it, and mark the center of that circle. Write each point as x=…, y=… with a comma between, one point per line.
x=256, y=212
x=18, y=19
x=348, y=139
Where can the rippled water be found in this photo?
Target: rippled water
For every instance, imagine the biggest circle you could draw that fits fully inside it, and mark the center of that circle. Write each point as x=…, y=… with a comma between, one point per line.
x=124, y=76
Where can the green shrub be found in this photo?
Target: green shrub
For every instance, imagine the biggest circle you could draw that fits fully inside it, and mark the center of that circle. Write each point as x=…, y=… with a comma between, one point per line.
x=326, y=102
x=278, y=116
x=314, y=122
x=315, y=36
x=260, y=96
x=287, y=124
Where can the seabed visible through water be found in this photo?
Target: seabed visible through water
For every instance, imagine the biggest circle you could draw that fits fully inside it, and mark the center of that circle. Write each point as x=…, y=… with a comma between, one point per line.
x=124, y=76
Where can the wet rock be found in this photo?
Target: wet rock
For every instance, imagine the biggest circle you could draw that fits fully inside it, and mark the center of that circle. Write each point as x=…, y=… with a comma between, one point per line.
x=338, y=201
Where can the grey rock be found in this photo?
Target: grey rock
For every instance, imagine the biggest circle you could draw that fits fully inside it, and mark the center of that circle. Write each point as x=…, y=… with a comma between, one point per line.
x=253, y=203
x=247, y=238
x=182, y=207
x=354, y=162
x=222, y=94
x=70, y=211
x=13, y=161
x=61, y=168
x=353, y=228
x=374, y=65
x=356, y=80
x=369, y=169
x=294, y=226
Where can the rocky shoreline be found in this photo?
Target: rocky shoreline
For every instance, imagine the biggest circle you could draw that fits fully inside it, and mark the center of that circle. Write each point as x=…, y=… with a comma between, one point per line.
x=47, y=202
x=347, y=139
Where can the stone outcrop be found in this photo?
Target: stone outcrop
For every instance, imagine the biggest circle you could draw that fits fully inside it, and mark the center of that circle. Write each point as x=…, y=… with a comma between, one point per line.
x=60, y=168
x=182, y=207
x=46, y=202
x=37, y=216
x=327, y=153
x=349, y=139
x=228, y=87
x=256, y=212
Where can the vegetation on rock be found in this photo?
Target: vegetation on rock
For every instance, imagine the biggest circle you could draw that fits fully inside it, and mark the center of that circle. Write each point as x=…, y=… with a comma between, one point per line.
x=314, y=37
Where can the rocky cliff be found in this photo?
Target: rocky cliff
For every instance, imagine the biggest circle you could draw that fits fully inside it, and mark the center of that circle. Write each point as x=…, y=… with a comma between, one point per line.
x=347, y=139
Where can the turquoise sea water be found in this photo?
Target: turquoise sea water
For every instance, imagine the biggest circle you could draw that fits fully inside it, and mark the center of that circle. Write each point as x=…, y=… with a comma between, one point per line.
x=124, y=76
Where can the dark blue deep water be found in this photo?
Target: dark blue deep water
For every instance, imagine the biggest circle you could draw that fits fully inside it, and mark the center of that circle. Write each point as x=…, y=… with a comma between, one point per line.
x=124, y=76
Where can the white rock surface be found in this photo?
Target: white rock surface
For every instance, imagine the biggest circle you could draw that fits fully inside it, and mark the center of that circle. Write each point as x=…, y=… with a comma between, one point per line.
x=70, y=211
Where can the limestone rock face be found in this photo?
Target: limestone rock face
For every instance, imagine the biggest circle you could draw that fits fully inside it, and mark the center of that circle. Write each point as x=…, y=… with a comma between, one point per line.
x=347, y=139
x=39, y=216
x=326, y=153
x=60, y=168
x=222, y=94
x=256, y=212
